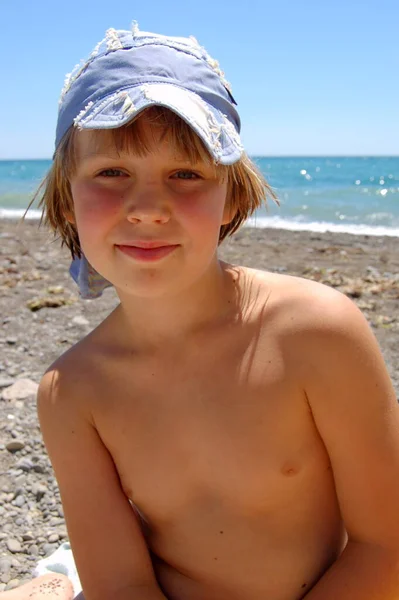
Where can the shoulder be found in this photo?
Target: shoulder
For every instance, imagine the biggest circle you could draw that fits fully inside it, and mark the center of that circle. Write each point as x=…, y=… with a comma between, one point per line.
x=326, y=341
x=310, y=304
x=78, y=378
x=68, y=382
x=312, y=321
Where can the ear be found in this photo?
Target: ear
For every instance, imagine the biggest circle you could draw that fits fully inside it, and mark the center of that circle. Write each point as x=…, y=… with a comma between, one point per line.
x=70, y=217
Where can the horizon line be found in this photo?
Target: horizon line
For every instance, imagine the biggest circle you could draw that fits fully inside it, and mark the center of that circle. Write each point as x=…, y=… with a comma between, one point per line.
x=258, y=156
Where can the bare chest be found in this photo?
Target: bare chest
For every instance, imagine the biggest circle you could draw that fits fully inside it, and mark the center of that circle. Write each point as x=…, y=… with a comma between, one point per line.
x=214, y=429
x=221, y=457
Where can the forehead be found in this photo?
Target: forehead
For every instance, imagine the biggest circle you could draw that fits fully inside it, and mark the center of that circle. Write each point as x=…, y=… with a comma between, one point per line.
x=141, y=139
x=122, y=140
x=156, y=131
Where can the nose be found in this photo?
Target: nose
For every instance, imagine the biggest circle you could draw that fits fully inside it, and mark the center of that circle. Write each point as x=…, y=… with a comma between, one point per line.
x=148, y=206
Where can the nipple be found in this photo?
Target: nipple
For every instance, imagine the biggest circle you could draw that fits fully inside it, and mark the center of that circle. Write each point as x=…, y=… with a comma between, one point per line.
x=289, y=469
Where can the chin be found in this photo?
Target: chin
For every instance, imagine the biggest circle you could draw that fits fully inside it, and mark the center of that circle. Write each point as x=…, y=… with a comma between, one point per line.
x=148, y=286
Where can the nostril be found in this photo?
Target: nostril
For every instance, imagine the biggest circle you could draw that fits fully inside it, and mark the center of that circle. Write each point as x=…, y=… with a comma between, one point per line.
x=148, y=215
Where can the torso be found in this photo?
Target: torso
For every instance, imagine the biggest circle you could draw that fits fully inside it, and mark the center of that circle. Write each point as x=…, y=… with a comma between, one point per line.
x=218, y=452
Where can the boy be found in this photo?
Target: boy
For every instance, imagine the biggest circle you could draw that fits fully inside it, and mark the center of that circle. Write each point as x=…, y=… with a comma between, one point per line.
x=226, y=433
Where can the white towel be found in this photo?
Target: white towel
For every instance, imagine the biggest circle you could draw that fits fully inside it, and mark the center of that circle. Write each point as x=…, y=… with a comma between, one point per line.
x=61, y=561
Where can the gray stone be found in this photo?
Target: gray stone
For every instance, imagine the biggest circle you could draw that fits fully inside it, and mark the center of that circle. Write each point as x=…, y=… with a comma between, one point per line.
x=6, y=382
x=11, y=585
x=25, y=464
x=80, y=320
x=13, y=545
x=49, y=548
x=18, y=492
x=54, y=522
x=15, y=445
x=39, y=491
x=33, y=550
x=39, y=469
x=19, y=501
x=5, y=565
x=21, y=389
x=15, y=562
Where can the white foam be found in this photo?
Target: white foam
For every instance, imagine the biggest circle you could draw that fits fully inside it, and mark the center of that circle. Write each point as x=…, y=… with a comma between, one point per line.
x=320, y=226
x=17, y=213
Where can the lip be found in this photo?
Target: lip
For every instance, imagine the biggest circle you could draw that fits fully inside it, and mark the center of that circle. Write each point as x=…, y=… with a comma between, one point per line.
x=147, y=251
x=147, y=244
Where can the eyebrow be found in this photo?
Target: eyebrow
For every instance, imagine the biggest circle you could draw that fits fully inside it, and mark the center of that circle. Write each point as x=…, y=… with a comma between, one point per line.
x=92, y=155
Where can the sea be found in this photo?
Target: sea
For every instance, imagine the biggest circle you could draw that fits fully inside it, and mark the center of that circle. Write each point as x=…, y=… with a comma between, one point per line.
x=358, y=195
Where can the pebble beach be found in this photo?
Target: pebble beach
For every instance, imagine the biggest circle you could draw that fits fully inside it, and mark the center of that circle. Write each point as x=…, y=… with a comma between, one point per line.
x=41, y=316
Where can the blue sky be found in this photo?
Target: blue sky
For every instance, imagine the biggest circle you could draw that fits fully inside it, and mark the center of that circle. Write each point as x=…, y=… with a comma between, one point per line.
x=310, y=78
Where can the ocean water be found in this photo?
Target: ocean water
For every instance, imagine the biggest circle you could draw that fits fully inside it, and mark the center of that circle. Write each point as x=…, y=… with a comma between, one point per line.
x=348, y=194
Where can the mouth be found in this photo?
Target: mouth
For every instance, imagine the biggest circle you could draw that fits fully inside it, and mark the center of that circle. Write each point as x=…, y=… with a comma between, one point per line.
x=147, y=251
x=147, y=244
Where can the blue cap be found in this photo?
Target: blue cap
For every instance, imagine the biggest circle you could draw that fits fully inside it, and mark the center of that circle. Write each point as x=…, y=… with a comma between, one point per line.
x=129, y=71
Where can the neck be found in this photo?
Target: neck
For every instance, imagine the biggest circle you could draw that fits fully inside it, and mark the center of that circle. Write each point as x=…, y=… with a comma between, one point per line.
x=209, y=302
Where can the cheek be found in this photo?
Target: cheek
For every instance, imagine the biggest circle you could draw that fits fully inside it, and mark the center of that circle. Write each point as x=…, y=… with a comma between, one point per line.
x=204, y=211
x=94, y=207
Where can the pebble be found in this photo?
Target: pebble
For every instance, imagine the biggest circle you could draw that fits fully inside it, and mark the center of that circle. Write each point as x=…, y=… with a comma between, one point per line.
x=25, y=464
x=19, y=501
x=21, y=389
x=13, y=545
x=14, y=583
x=33, y=550
x=6, y=382
x=15, y=446
x=5, y=565
x=79, y=320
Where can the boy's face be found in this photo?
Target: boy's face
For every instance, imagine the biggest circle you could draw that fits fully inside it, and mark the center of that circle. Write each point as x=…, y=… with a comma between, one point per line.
x=123, y=200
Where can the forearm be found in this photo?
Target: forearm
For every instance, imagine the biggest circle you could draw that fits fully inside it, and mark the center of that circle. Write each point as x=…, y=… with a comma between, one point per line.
x=362, y=572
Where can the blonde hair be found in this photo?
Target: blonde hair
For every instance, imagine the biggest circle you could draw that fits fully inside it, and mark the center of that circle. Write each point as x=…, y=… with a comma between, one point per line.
x=247, y=189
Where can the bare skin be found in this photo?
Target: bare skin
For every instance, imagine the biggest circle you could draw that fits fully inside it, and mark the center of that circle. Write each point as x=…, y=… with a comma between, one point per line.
x=238, y=482
x=227, y=470
x=45, y=587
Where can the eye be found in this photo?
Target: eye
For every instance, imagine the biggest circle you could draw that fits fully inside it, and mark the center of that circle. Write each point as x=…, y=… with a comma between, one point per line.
x=111, y=173
x=186, y=175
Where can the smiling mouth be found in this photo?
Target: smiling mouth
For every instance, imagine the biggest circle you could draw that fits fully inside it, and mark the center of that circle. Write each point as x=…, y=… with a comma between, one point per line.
x=147, y=254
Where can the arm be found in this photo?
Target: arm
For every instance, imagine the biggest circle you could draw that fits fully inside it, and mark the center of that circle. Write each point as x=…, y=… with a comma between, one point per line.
x=110, y=552
x=355, y=410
